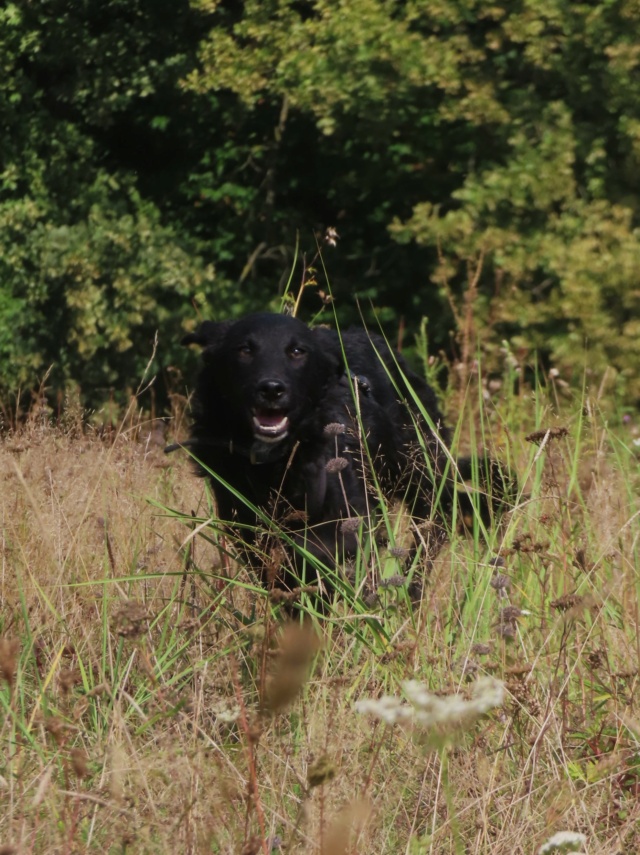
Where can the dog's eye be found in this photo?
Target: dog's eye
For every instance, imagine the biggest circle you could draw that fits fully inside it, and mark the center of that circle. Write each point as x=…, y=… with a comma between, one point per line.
x=296, y=352
x=245, y=351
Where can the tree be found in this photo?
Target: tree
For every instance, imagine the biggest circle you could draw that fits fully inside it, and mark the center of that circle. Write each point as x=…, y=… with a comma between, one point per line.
x=479, y=162
x=517, y=125
x=88, y=269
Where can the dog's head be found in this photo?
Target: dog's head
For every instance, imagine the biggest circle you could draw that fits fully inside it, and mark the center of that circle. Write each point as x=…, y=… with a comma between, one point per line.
x=264, y=373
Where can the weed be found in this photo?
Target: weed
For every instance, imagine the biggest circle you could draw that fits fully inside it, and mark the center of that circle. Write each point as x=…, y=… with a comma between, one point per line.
x=155, y=698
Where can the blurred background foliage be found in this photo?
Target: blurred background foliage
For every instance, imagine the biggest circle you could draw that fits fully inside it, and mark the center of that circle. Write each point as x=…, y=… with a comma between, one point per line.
x=160, y=161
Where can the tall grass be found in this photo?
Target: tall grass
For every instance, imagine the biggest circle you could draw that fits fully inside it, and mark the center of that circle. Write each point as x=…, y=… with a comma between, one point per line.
x=154, y=697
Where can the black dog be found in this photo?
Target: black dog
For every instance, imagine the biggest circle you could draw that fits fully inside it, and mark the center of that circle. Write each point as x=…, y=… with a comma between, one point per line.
x=301, y=423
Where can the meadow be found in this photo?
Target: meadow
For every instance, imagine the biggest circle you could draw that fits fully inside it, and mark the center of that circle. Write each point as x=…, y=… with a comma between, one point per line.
x=154, y=699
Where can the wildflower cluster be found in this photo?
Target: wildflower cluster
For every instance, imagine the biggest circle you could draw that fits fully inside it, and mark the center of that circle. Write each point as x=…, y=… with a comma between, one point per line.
x=426, y=710
x=564, y=841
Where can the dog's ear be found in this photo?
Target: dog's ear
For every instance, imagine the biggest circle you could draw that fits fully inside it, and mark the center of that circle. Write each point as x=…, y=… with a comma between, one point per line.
x=328, y=343
x=207, y=334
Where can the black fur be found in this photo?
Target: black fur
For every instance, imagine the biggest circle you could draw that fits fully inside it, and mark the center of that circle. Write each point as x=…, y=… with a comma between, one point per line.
x=267, y=391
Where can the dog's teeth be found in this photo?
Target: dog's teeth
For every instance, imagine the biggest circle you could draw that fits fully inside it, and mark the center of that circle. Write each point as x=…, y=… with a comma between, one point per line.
x=271, y=429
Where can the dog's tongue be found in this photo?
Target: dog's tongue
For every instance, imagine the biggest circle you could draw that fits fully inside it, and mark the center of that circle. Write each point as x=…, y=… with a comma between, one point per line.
x=270, y=425
x=269, y=418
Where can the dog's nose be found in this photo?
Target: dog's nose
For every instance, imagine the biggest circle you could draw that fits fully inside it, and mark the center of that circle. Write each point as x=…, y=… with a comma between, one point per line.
x=270, y=391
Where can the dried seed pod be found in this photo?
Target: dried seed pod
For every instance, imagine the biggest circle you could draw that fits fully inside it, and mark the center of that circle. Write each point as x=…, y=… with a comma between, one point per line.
x=321, y=771
x=9, y=652
x=336, y=464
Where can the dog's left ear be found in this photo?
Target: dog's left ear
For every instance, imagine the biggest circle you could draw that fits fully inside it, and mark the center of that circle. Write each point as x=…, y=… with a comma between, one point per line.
x=328, y=343
x=207, y=334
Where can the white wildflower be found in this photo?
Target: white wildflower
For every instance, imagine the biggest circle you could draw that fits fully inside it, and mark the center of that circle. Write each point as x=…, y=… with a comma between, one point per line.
x=425, y=709
x=563, y=841
x=226, y=712
x=388, y=709
x=331, y=236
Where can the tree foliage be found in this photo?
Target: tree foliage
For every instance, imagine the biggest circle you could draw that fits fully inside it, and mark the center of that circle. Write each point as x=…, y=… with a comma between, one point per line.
x=478, y=160
x=88, y=268
x=526, y=155
x=553, y=220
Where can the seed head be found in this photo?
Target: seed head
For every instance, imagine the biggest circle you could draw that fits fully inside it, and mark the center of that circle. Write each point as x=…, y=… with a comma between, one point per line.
x=336, y=464
x=596, y=658
x=500, y=584
x=335, y=429
x=510, y=613
x=539, y=436
x=480, y=649
x=57, y=728
x=568, y=601
x=9, y=651
x=68, y=678
x=131, y=620
x=507, y=629
x=290, y=667
x=321, y=771
x=468, y=667
x=79, y=763
x=398, y=551
x=331, y=236
x=395, y=581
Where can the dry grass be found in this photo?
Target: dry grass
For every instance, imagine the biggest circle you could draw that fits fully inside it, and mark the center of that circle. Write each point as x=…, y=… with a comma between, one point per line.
x=150, y=706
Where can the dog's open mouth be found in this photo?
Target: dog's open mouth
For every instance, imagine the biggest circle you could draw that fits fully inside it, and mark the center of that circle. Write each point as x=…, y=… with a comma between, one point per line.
x=270, y=425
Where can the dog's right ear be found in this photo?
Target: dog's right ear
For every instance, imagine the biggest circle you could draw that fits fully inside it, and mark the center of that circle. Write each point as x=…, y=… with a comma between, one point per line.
x=207, y=334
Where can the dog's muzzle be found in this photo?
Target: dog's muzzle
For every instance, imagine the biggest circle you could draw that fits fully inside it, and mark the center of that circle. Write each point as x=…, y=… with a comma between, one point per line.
x=270, y=425
x=270, y=415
